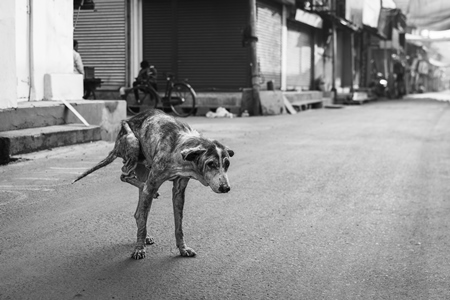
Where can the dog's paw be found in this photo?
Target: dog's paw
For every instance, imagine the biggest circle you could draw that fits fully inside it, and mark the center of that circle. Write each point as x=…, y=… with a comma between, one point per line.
x=187, y=252
x=149, y=240
x=139, y=252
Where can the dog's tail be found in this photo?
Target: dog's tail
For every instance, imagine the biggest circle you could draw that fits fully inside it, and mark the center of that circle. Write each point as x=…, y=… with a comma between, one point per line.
x=109, y=159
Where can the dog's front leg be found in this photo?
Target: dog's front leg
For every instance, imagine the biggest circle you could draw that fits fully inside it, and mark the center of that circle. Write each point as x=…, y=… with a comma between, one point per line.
x=141, y=215
x=178, y=193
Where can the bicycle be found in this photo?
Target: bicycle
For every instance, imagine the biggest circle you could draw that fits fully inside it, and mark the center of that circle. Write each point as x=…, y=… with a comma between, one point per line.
x=178, y=96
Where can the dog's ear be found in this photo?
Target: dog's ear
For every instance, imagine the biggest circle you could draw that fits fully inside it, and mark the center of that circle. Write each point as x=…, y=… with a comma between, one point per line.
x=191, y=154
x=230, y=152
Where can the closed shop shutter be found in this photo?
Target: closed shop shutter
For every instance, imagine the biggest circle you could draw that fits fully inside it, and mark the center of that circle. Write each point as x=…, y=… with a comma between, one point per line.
x=299, y=56
x=200, y=40
x=210, y=51
x=346, y=54
x=101, y=35
x=269, y=32
x=158, y=39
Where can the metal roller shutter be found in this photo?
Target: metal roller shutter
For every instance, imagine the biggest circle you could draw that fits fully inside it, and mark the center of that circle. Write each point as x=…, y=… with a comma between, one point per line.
x=269, y=32
x=198, y=39
x=299, y=56
x=158, y=40
x=101, y=35
x=210, y=51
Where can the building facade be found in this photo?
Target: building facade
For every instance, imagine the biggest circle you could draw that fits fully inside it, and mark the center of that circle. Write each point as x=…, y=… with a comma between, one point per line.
x=301, y=45
x=37, y=52
x=202, y=41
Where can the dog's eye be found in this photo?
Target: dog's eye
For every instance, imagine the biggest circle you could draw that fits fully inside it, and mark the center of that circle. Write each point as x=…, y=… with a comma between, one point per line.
x=226, y=164
x=211, y=165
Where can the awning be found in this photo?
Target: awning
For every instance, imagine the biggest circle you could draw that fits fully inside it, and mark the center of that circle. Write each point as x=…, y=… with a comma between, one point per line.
x=413, y=37
x=339, y=21
x=308, y=18
x=287, y=2
x=347, y=24
x=390, y=19
x=374, y=31
x=429, y=14
x=437, y=63
x=414, y=40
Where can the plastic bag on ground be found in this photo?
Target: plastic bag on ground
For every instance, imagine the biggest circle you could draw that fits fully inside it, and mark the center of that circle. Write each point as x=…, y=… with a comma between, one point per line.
x=220, y=113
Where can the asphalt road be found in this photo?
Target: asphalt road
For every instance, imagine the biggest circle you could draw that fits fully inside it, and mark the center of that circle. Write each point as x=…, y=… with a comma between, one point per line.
x=346, y=203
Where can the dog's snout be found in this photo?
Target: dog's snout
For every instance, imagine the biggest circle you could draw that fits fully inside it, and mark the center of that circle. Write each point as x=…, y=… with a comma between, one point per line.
x=224, y=188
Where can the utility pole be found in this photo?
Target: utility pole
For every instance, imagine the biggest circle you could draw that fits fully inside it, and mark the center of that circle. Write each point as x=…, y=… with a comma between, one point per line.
x=256, y=101
x=352, y=61
x=333, y=53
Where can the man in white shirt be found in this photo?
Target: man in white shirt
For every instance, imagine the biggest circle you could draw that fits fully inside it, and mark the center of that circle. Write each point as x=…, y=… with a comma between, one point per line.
x=77, y=62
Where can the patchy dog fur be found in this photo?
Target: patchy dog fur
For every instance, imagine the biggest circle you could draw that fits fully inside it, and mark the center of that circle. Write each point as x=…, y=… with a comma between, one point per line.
x=156, y=147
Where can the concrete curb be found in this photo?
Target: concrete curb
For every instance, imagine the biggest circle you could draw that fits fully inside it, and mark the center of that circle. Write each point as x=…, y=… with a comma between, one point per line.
x=40, y=125
x=35, y=139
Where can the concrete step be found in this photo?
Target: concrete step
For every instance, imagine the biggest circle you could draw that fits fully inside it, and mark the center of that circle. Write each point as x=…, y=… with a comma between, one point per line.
x=28, y=140
x=33, y=114
x=36, y=114
x=313, y=103
x=305, y=100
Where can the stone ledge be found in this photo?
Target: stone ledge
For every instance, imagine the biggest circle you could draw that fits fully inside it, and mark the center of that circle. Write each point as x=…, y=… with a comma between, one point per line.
x=215, y=100
x=313, y=99
x=105, y=113
x=35, y=139
x=304, y=96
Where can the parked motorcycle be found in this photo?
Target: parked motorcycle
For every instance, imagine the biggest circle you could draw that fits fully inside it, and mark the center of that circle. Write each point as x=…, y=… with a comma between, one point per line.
x=379, y=86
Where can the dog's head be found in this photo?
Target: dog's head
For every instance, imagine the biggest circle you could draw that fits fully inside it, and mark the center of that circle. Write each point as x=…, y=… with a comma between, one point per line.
x=212, y=160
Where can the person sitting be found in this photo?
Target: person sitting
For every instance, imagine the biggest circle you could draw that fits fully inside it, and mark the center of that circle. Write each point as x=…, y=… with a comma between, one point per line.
x=147, y=76
x=78, y=67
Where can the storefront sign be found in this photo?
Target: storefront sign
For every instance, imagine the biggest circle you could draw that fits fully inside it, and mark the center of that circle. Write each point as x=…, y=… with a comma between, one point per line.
x=371, y=13
x=308, y=18
x=354, y=12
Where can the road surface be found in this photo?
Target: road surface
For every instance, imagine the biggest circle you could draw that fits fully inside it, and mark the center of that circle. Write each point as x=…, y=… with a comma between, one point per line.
x=348, y=203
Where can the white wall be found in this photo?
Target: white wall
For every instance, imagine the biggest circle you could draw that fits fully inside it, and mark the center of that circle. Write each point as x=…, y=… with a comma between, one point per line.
x=22, y=50
x=284, y=41
x=8, y=77
x=52, y=40
x=135, y=39
x=36, y=44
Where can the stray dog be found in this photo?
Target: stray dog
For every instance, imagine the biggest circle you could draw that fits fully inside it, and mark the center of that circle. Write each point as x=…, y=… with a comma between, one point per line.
x=156, y=147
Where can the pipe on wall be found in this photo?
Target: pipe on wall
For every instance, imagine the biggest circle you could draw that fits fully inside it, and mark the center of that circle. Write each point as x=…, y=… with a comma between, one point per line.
x=256, y=105
x=30, y=50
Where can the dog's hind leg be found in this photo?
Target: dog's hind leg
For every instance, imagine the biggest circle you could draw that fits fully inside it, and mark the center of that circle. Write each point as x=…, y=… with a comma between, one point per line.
x=141, y=216
x=142, y=174
x=130, y=149
x=178, y=194
x=141, y=171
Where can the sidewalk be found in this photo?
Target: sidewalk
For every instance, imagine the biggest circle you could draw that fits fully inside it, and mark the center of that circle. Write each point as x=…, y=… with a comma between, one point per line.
x=439, y=96
x=39, y=125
